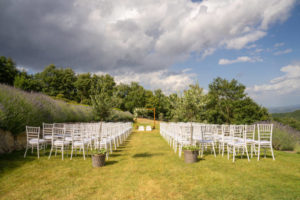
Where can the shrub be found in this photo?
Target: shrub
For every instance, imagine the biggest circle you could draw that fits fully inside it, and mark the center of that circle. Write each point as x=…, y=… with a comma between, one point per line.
x=19, y=108
x=117, y=115
x=283, y=141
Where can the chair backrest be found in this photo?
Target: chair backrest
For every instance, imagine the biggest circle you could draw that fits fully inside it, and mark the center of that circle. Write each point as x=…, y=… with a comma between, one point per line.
x=225, y=130
x=250, y=131
x=58, y=125
x=265, y=132
x=47, y=129
x=32, y=132
x=186, y=132
x=58, y=134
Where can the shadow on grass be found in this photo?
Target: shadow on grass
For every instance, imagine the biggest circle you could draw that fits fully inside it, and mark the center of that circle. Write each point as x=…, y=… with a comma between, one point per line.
x=11, y=161
x=146, y=155
x=110, y=162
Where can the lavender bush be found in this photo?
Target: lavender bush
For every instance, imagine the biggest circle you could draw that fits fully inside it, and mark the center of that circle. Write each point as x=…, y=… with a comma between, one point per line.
x=19, y=108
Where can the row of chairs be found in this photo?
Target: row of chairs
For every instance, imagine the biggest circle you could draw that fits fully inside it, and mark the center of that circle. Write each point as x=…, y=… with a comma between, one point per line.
x=142, y=128
x=236, y=138
x=77, y=136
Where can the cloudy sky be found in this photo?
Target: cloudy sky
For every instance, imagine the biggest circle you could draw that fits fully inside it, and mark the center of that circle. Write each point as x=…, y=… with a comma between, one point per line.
x=165, y=44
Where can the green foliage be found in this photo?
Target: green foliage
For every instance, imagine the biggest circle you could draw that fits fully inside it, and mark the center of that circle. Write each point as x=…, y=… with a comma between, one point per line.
x=283, y=141
x=58, y=81
x=83, y=86
x=19, y=108
x=228, y=103
x=102, y=106
x=291, y=118
x=191, y=106
x=119, y=116
x=8, y=70
x=191, y=148
x=99, y=151
x=27, y=82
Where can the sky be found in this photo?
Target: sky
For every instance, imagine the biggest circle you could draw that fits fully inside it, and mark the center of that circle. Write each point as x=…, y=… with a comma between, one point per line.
x=167, y=44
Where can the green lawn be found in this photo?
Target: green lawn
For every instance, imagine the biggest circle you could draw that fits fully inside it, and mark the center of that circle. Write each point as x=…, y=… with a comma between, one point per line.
x=145, y=167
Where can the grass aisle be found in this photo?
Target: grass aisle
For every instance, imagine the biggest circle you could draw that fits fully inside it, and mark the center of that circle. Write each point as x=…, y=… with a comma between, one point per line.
x=145, y=167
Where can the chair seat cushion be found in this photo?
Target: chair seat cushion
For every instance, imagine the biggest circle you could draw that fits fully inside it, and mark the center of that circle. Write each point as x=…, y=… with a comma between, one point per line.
x=79, y=143
x=68, y=138
x=263, y=142
x=48, y=137
x=36, y=141
x=60, y=142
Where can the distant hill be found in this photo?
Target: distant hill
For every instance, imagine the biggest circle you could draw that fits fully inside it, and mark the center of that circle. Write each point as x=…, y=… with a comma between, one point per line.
x=295, y=115
x=284, y=109
x=289, y=118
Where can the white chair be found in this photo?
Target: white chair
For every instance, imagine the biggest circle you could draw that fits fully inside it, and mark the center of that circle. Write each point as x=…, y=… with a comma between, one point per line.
x=47, y=132
x=238, y=141
x=265, y=132
x=59, y=142
x=207, y=132
x=148, y=128
x=141, y=128
x=250, y=137
x=78, y=142
x=33, y=140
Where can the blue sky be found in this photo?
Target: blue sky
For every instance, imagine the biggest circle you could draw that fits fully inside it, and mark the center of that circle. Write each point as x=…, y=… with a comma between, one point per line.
x=165, y=44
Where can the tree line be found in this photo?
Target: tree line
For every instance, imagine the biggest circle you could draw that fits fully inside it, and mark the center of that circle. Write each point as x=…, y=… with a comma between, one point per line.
x=225, y=102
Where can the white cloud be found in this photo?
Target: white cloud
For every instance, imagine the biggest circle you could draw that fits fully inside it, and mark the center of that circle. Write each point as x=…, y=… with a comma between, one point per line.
x=286, y=51
x=241, y=42
x=285, y=87
x=131, y=35
x=280, y=44
x=239, y=60
x=168, y=82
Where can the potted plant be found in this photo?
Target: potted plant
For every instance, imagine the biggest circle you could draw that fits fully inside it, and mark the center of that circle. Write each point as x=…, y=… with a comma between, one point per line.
x=190, y=154
x=98, y=157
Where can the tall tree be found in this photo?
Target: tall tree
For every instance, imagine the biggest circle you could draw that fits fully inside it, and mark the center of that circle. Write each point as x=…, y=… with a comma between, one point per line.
x=228, y=103
x=83, y=87
x=8, y=70
x=58, y=82
x=191, y=106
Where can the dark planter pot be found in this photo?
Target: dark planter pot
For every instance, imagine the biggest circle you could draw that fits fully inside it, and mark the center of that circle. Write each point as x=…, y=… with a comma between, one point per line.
x=98, y=160
x=190, y=156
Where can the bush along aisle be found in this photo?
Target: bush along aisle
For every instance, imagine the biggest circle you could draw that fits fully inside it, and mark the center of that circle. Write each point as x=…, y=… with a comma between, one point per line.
x=190, y=154
x=98, y=157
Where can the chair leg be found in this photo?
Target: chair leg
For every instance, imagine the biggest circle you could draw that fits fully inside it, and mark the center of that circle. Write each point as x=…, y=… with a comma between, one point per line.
x=83, y=152
x=272, y=152
x=213, y=146
x=258, y=152
x=233, y=159
x=247, y=153
x=223, y=149
x=71, y=153
x=26, y=151
x=50, y=152
x=227, y=152
x=62, y=152
x=38, y=150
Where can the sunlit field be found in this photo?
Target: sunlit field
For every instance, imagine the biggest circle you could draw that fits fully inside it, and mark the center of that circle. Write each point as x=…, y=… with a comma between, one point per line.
x=145, y=167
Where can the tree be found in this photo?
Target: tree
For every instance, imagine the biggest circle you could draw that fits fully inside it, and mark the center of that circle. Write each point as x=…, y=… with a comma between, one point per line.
x=136, y=97
x=191, y=106
x=228, y=103
x=8, y=70
x=158, y=101
x=83, y=87
x=27, y=82
x=102, y=106
x=102, y=91
x=58, y=82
